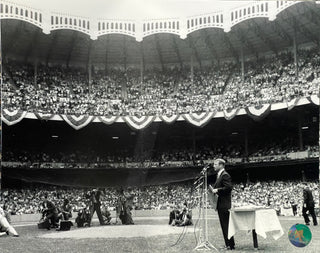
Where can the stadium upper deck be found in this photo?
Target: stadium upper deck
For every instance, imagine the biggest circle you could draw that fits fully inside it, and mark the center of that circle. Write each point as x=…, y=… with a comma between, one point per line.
x=249, y=29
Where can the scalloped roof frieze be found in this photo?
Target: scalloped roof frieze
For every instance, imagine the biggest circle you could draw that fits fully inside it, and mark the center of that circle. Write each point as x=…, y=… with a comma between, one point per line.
x=49, y=21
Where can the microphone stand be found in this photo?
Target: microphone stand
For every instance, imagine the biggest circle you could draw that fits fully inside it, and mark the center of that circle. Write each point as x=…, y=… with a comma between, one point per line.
x=204, y=244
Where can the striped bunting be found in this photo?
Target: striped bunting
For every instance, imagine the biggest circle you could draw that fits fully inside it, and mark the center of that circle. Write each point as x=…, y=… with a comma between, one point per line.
x=138, y=122
x=229, y=115
x=44, y=116
x=169, y=119
x=314, y=99
x=108, y=119
x=292, y=103
x=77, y=122
x=258, y=113
x=11, y=117
x=198, y=119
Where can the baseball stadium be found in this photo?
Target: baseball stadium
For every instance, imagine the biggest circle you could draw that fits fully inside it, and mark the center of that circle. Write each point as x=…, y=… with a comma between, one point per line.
x=159, y=126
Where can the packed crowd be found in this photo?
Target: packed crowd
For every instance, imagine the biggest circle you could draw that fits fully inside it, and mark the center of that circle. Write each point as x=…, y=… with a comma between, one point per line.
x=274, y=194
x=27, y=201
x=176, y=157
x=60, y=91
x=275, y=79
x=63, y=91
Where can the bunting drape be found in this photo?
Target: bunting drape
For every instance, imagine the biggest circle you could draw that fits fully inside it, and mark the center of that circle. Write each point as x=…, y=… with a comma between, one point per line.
x=258, y=113
x=11, y=117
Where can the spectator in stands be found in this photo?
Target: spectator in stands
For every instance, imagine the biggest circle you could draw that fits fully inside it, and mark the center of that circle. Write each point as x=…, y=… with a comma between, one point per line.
x=26, y=201
x=62, y=91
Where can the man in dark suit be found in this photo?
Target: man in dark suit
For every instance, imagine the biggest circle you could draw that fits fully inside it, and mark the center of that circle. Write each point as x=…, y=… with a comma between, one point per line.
x=308, y=205
x=223, y=187
x=95, y=206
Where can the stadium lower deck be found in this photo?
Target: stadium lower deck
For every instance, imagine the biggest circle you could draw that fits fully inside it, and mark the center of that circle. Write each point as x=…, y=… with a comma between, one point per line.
x=150, y=233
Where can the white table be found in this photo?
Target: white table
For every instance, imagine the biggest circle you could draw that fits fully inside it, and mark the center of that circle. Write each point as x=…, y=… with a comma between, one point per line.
x=259, y=220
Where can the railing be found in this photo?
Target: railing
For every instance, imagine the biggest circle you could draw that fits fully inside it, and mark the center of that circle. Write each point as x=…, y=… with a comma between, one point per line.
x=260, y=9
x=106, y=26
x=161, y=26
x=182, y=26
x=205, y=21
x=63, y=21
x=282, y=5
x=151, y=164
x=17, y=11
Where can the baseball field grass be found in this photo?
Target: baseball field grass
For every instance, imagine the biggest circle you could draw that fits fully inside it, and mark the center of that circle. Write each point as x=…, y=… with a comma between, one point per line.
x=138, y=238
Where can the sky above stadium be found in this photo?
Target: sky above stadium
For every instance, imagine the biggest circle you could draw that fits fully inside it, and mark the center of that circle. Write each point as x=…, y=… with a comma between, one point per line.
x=132, y=9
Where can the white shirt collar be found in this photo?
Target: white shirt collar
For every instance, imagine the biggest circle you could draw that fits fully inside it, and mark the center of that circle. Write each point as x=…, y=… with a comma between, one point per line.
x=219, y=173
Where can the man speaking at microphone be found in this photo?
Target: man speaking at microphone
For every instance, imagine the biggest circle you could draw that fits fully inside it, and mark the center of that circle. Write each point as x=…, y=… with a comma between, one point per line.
x=223, y=187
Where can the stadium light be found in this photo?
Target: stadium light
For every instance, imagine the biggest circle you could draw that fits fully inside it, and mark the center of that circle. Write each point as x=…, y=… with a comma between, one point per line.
x=115, y=137
x=234, y=133
x=304, y=127
x=54, y=136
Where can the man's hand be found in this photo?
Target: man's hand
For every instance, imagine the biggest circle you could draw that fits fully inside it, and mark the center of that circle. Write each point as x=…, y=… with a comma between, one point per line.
x=213, y=190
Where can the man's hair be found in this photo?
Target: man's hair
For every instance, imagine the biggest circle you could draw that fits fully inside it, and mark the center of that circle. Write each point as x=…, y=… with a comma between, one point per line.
x=220, y=161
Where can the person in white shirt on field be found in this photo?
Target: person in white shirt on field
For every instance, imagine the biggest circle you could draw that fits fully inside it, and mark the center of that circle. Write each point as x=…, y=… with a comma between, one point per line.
x=5, y=227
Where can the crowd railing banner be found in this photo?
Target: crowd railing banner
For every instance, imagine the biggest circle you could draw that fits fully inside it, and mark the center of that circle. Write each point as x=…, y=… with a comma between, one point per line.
x=11, y=117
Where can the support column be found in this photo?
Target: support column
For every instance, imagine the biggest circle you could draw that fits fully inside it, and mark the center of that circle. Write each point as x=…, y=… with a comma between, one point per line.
x=303, y=176
x=35, y=73
x=141, y=69
x=295, y=55
x=191, y=68
x=125, y=63
x=248, y=178
x=142, y=144
x=300, y=132
x=106, y=59
x=194, y=145
x=246, y=152
x=242, y=65
x=89, y=62
x=124, y=90
x=90, y=74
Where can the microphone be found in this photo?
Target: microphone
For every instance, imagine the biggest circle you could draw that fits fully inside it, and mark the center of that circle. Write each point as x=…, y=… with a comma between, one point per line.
x=205, y=168
x=199, y=179
x=198, y=186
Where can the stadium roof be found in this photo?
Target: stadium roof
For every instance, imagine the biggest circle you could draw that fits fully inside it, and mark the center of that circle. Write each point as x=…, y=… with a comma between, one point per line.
x=133, y=9
x=27, y=42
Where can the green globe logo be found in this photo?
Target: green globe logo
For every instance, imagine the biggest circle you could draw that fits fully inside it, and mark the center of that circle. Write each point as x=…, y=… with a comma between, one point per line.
x=299, y=235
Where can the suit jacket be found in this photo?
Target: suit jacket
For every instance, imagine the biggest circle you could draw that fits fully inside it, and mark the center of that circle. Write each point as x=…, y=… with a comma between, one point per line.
x=224, y=186
x=51, y=208
x=308, y=198
x=95, y=197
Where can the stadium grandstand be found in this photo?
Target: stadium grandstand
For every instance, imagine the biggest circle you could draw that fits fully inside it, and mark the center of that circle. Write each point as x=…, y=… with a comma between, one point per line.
x=106, y=98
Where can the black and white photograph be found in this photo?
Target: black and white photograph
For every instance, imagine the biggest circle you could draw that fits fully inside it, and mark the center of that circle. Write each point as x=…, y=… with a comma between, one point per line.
x=159, y=126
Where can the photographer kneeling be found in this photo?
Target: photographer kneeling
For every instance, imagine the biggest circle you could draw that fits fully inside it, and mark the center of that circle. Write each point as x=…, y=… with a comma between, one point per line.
x=49, y=214
x=183, y=218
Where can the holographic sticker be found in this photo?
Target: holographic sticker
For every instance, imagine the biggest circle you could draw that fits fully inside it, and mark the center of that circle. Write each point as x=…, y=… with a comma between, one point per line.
x=300, y=235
